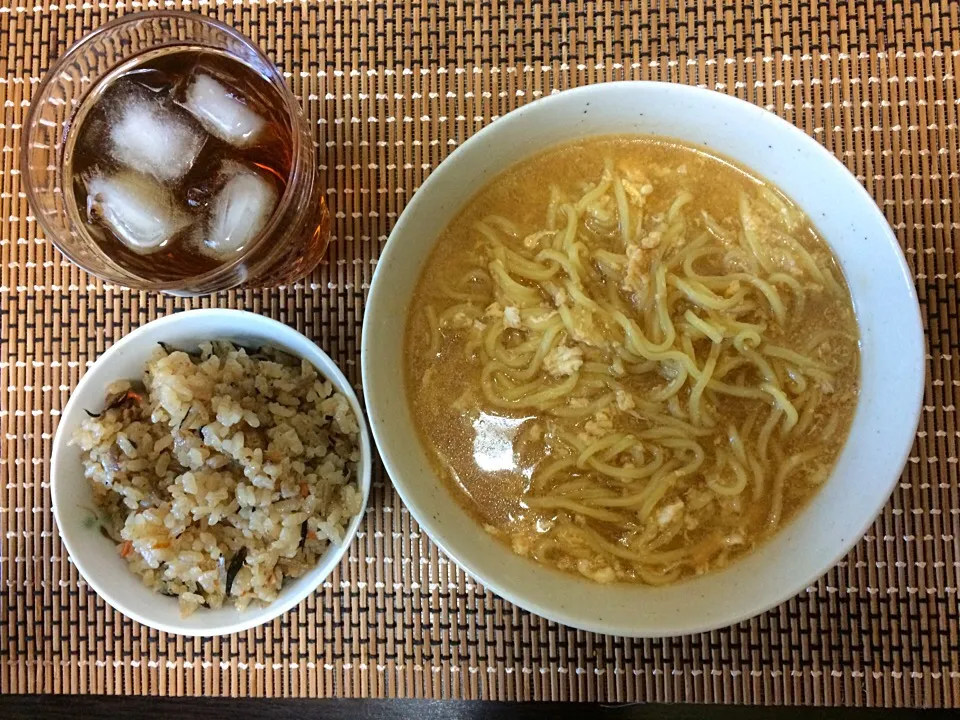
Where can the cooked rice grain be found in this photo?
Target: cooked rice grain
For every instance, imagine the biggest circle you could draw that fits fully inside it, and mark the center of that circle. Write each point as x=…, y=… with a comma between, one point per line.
x=226, y=474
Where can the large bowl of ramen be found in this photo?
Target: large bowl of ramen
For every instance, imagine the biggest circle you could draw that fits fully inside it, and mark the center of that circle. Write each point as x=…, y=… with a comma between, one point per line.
x=643, y=359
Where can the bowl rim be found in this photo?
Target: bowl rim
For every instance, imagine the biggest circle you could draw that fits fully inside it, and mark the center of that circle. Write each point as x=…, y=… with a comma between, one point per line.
x=913, y=347
x=253, y=616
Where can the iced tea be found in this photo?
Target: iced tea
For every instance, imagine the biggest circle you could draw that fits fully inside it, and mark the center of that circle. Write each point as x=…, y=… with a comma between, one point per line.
x=164, y=151
x=178, y=161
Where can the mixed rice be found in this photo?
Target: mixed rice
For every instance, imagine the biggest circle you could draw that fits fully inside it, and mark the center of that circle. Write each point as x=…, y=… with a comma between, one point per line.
x=224, y=473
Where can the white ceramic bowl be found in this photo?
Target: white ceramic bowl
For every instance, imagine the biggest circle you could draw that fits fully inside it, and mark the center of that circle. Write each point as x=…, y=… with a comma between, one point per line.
x=95, y=556
x=887, y=313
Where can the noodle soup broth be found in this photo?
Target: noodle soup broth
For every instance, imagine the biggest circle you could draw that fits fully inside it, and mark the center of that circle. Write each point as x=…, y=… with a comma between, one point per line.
x=631, y=360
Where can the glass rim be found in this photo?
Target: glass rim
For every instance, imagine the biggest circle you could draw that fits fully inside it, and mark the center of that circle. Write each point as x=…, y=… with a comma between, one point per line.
x=293, y=111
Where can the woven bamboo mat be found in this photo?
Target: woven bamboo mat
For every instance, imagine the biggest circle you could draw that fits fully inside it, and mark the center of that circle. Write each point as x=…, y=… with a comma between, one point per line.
x=391, y=89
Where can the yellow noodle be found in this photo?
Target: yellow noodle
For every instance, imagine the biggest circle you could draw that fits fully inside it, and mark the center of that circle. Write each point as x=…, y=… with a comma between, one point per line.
x=579, y=298
x=735, y=390
x=510, y=289
x=596, y=446
x=491, y=337
x=736, y=444
x=763, y=441
x=464, y=296
x=762, y=365
x=797, y=380
x=623, y=211
x=596, y=192
x=792, y=356
x=657, y=472
x=626, y=473
x=541, y=479
x=671, y=388
x=553, y=207
x=581, y=486
x=710, y=331
x=770, y=293
x=628, y=442
x=434, y=326
x=713, y=226
x=547, y=342
x=799, y=294
x=831, y=427
x=690, y=253
x=749, y=238
x=740, y=479
x=655, y=492
x=696, y=416
x=700, y=295
x=758, y=477
x=503, y=224
x=787, y=468
x=576, y=507
x=529, y=269
x=791, y=416
x=565, y=239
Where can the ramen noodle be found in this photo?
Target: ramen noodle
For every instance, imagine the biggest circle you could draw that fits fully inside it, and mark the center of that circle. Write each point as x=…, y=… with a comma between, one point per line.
x=632, y=360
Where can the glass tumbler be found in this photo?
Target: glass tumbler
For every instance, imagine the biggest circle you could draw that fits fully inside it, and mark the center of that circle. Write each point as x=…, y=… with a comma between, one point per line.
x=291, y=242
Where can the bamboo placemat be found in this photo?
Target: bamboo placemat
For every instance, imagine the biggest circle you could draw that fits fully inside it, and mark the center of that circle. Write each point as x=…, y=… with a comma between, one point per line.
x=391, y=89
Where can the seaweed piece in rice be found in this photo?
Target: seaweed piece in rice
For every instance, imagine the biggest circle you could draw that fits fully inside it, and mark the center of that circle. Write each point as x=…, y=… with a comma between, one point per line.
x=254, y=352
x=280, y=357
x=127, y=398
x=194, y=355
x=185, y=417
x=235, y=565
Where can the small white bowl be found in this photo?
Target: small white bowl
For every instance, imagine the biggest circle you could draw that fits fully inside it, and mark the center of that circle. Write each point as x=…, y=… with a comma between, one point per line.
x=887, y=313
x=95, y=556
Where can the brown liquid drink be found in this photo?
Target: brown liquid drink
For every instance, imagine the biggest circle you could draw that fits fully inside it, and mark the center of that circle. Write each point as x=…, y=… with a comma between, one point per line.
x=165, y=152
x=178, y=162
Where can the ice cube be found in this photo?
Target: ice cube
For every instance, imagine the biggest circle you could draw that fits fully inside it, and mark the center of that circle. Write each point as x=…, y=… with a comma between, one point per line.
x=139, y=211
x=239, y=211
x=222, y=113
x=151, y=139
